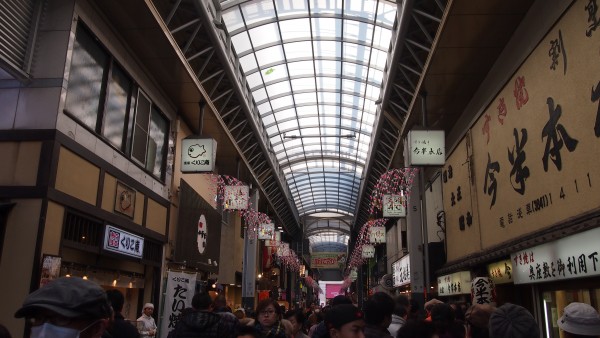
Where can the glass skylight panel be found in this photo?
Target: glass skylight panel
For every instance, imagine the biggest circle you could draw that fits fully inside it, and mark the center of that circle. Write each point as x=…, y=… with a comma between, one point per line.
x=301, y=68
x=295, y=29
x=326, y=28
x=248, y=63
x=305, y=98
x=272, y=130
x=264, y=35
x=241, y=42
x=254, y=79
x=270, y=56
x=353, y=86
x=386, y=13
x=327, y=49
x=303, y=84
x=359, y=31
x=375, y=75
x=285, y=114
x=233, y=18
x=287, y=8
x=282, y=102
x=307, y=122
x=382, y=37
x=355, y=51
x=327, y=83
x=298, y=50
x=259, y=95
x=329, y=98
x=256, y=11
x=264, y=108
x=278, y=88
x=275, y=73
x=288, y=125
x=326, y=6
x=364, y=9
x=354, y=70
x=352, y=100
x=325, y=67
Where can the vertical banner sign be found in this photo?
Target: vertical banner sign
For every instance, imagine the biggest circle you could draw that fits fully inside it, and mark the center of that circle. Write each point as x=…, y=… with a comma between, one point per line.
x=377, y=235
x=179, y=292
x=368, y=251
x=393, y=206
x=401, y=271
x=482, y=291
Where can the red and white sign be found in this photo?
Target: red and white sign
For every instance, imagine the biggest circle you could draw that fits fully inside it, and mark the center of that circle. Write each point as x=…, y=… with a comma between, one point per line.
x=202, y=234
x=332, y=290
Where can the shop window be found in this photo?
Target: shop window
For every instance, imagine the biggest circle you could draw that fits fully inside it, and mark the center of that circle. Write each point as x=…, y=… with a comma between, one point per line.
x=555, y=301
x=108, y=102
x=82, y=232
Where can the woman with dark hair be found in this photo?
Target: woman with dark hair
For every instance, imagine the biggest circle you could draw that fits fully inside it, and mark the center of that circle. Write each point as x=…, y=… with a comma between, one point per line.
x=268, y=319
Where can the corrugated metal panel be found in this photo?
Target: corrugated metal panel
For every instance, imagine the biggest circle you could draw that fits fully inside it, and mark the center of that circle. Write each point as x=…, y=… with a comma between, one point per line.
x=15, y=23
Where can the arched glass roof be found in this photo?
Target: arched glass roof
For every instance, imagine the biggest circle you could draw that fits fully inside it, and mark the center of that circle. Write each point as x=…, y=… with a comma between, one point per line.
x=315, y=69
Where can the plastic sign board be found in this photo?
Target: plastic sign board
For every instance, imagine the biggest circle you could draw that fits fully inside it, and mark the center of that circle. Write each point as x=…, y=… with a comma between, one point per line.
x=458, y=283
x=575, y=256
x=119, y=241
x=368, y=251
x=236, y=197
x=426, y=147
x=198, y=155
x=377, y=235
x=265, y=231
x=394, y=206
x=501, y=272
x=401, y=271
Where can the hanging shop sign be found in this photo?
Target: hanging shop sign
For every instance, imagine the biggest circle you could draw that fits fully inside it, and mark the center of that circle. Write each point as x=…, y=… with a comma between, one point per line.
x=265, y=231
x=275, y=240
x=483, y=291
x=394, y=206
x=401, y=271
x=235, y=197
x=458, y=283
x=119, y=241
x=575, y=256
x=368, y=251
x=501, y=272
x=283, y=250
x=377, y=235
x=353, y=275
x=180, y=289
x=198, y=155
x=327, y=260
x=302, y=271
x=426, y=147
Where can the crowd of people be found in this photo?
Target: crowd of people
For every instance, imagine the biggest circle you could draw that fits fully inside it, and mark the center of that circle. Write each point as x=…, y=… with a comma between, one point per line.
x=74, y=308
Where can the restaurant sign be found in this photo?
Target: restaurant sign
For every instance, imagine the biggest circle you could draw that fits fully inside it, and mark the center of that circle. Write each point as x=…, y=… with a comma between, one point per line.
x=575, y=256
x=458, y=283
x=198, y=155
x=426, y=147
x=401, y=269
x=394, y=206
x=119, y=241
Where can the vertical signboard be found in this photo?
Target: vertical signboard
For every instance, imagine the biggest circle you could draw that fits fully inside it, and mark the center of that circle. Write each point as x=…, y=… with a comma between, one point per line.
x=198, y=155
x=178, y=296
x=426, y=147
x=394, y=206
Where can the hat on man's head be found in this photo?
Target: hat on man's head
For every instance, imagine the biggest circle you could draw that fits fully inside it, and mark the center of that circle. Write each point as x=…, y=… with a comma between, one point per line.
x=149, y=305
x=580, y=318
x=342, y=314
x=512, y=321
x=71, y=297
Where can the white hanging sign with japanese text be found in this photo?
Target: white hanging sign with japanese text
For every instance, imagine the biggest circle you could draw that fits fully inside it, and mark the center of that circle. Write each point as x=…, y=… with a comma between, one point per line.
x=401, y=271
x=501, y=272
x=119, y=241
x=458, y=283
x=265, y=231
x=368, y=251
x=377, y=235
x=180, y=289
x=482, y=291
x=235, y=197
x=575, y=256
x=427, y=147
x=198, y=155
x=394, y=206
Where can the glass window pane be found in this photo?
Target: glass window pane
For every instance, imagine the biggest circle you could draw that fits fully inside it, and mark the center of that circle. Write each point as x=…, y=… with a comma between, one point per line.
x=157, y=149
x=255, y=11
x=301, y=68
x=233, y=18
x=115, y=111
x=140, y=135
x=241, y=42
x=295, y=29
x=327, y=48
x=326, y=28
x=286, y=8
x=269, y=55
x=263, y=35
x=88, y=65
x=298, y=50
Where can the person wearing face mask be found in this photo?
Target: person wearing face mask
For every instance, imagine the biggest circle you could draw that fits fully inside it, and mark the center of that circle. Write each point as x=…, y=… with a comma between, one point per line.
x=68, y=307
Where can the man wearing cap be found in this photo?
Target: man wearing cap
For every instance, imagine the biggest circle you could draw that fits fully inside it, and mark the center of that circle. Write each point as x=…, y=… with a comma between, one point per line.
x=148, y=326
x=579, y=320
x=512, y=321
x=345, y=321
x=378, y=315
x=67, y=307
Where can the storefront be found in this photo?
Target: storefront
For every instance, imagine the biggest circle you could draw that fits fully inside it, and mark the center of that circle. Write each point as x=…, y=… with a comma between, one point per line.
x=455, y=287
x=563, y=271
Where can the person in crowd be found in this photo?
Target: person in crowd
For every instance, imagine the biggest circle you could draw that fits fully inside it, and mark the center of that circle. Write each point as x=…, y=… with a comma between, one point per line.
x=67, y=307
x=314, y=320
x=445, y=323
x=4, y=332
x=400, y=314
x=220, y=305
x=245, y=331
x=477, y=318
x=268, y=323
x=417, y=329
x=413, y=311
x=378, y=314
x=579, y=320
x=428, y=306
x=148, y=325
x=289, y=328
x=239, y=313
x=296, y=317
x=320, y=330
x=345, y=321
x=200, y=321
x=119, y=328
x=512, y=321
